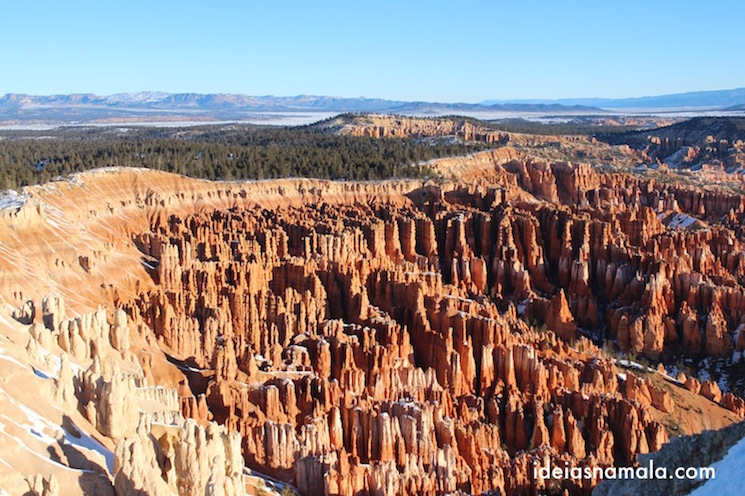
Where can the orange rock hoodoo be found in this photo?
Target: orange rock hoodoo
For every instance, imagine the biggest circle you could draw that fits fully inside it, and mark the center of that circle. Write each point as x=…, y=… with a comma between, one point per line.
x=379, y=346
x=395, y=337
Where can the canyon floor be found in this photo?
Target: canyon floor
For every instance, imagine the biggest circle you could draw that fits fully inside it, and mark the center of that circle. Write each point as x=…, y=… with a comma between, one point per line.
x=553, y=299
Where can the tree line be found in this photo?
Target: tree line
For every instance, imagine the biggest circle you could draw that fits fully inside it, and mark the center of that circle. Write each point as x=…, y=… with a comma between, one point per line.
x=218, y=152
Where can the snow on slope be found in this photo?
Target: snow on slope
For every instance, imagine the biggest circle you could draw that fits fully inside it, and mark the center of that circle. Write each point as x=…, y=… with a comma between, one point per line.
x=728, y=478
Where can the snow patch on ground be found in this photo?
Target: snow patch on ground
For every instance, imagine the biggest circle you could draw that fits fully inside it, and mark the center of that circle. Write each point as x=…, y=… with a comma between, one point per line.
x=22, y=444
x=187, y=368
x=737, y=355
x=723, y=383
x=9, y=358
x=671, y=373
x=728, y=478
x=37, y=425
x=88, y=443
x=11, y=199
x=50, y=433
x=149, y=266
x=703, y=370
x=634, y=365
x=675, y=161
x=681, y=221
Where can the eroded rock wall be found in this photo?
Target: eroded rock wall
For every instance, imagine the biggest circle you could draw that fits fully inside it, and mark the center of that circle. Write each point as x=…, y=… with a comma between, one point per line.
x=381, y=347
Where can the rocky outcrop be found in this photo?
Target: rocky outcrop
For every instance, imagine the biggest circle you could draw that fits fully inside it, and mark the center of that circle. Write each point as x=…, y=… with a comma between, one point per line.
x=187, y=459
x=332, y=337
x=710, y=390
x=64, y=392
x=401, y=126
x=158, y=451
x=718, y=340
x=44, y=486
x=400, y=339
x=119, y=333
x=559, y=317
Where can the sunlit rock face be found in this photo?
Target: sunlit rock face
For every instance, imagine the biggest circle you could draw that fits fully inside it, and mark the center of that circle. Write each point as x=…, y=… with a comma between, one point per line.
x=385, y=344
x=401, y=337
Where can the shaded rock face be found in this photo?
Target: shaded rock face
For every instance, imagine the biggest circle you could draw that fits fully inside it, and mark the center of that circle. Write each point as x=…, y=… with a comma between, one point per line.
x=701, y=450
x=378, y=346
x=43, y=486
x=714, y=143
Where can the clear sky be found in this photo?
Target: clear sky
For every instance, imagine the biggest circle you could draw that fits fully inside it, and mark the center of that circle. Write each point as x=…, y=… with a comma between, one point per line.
x=445, y=51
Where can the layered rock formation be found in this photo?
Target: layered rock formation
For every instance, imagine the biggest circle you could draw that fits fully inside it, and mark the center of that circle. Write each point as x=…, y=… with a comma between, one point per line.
x=713, y=143
x=394, y=338
x=349, y=365
x=180, y=459
x=157, y=450
x=402, y=126
x=332, y=330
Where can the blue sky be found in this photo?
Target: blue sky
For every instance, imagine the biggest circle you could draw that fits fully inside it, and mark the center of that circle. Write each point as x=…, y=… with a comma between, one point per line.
x=435, y=51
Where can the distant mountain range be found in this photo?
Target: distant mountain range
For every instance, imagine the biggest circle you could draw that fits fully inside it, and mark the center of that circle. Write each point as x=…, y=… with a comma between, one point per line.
x=223, y=101
x=721, y=99
x=150, y=106
x=20, y=109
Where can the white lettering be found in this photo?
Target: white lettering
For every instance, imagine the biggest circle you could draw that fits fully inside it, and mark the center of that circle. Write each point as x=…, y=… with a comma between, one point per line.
x=609, y=473
x=707, y=473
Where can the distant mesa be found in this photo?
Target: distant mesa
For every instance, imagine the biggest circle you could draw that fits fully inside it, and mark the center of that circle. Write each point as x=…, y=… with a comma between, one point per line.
x=736, y=108
x=719, y=99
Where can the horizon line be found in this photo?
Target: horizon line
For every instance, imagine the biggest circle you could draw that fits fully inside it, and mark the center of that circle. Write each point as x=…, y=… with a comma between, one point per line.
x=362, y=97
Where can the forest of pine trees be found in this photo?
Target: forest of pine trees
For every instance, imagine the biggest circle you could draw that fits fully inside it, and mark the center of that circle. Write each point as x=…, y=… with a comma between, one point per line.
x=217, y=152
